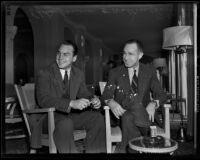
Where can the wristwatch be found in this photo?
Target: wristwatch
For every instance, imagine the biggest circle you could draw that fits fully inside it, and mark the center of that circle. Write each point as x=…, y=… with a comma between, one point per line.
x=156, y=103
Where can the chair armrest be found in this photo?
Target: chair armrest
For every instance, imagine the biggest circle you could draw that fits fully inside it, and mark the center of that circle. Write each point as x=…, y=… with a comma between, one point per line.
x=42, y=110
x=106, y=107
x=108, y=128
x=167, y=120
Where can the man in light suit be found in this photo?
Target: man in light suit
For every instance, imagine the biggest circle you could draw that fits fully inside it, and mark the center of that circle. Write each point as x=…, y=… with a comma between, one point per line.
x=129, y=99
x=62, y=85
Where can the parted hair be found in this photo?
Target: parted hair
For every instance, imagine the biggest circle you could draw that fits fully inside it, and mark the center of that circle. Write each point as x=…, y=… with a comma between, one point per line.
x=73, y=44
x=138, y=42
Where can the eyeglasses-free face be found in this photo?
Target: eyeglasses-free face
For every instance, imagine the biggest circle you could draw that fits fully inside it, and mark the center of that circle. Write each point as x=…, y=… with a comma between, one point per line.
x=65, y=56
x=131, y=55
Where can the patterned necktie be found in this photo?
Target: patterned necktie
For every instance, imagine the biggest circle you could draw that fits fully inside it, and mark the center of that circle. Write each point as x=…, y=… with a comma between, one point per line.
x=134, y=84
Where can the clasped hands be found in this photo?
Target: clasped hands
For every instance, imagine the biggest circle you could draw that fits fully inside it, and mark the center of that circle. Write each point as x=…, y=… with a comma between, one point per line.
x=83, y=103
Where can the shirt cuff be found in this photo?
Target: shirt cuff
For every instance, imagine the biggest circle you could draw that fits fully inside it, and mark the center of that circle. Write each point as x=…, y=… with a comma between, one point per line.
x=108, y=101
x=69, y=108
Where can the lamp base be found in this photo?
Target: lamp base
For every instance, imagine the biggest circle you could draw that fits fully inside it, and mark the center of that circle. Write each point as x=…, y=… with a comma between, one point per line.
x=181, y=136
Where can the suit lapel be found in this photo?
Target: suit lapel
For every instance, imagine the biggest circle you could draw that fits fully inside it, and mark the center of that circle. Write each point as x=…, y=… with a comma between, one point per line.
x=125, y=79
x=58, y=78
x=73, y=83
x=142, y=80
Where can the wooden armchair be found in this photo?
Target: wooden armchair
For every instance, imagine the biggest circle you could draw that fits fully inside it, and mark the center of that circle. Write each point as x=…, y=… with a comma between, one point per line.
x=114, y=135
x=12, y=119
x=26, y=96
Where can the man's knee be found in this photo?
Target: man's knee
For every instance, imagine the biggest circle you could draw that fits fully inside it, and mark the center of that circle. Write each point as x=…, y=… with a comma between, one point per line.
x=64, y=126
x=97, y=120
x=127, y=117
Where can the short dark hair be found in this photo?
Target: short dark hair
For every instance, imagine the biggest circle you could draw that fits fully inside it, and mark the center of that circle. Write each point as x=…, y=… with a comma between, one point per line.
x=138, y=42
x=73, y=44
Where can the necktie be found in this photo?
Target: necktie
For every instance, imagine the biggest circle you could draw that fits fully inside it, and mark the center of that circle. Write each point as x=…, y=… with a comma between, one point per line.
x=134, y=84
x=66, y=84
x=65, y=80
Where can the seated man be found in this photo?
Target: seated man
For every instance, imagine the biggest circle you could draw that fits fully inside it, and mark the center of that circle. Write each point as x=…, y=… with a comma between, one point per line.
x=62, y=85
x=127, y=93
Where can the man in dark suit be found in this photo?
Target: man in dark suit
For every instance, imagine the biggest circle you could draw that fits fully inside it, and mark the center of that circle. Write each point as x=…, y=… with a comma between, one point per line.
x=127, y=93
x=62, y=85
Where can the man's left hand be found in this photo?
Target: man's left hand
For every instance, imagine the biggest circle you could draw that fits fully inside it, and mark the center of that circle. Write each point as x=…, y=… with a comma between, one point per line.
x=96, y=102
x=151, y=110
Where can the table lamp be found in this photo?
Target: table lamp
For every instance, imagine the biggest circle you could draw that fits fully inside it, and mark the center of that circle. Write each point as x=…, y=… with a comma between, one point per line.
x=179, y=39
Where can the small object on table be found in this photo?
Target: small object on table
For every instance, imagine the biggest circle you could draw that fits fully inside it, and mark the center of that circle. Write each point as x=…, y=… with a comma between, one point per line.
x=153, y=141
x=153, y=130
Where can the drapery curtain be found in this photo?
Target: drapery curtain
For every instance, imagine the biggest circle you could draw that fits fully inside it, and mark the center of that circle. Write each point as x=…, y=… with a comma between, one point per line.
x=185, y=17
x=181, y=72
x=183, y=86
x=172, y=70
x=178, y=78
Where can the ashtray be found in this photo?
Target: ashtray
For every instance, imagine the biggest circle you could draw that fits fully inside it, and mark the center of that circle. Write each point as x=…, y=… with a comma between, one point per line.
x=153, y=141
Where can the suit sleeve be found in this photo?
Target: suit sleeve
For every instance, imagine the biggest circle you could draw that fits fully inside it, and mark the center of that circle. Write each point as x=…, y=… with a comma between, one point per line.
x=45, y=97
x=83, y=91
x=158, y=92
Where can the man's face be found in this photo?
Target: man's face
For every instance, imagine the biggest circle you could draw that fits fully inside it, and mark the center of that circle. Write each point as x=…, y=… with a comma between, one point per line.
x=131, y=55
x=65, y=56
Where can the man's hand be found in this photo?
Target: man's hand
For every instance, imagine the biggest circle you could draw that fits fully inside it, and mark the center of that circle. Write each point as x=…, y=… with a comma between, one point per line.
x=116, y=108
x=151, y=110
x=79, y=103
x=96, y=102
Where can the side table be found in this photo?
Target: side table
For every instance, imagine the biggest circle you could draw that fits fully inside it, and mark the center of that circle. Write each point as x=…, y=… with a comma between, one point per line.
x=167, y=145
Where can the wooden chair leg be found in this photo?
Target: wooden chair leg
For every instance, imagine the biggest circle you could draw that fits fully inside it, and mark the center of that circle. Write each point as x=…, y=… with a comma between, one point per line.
x=113, y=148
x=108, y=130
x=167, y=120
x=51, y=127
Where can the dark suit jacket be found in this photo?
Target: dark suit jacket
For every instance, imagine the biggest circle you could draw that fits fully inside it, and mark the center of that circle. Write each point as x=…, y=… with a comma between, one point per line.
x=50, y=91
x=118, y=87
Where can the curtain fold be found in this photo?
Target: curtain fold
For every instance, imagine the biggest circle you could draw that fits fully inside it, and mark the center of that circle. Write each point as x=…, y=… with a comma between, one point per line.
x=184, y=88
x=172, y=70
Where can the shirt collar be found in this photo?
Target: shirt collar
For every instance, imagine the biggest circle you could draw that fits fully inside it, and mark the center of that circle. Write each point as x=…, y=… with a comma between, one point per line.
x=134, y=68
x=62, y=71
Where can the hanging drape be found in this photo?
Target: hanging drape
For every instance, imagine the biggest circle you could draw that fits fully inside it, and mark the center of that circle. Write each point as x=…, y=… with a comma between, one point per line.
x=178, y=78
x=183, y=86
x=181, y=70
x=172, y=70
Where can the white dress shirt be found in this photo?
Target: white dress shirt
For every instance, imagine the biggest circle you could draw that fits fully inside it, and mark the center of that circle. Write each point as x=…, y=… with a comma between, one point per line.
x=62, y=71
x=131, y=72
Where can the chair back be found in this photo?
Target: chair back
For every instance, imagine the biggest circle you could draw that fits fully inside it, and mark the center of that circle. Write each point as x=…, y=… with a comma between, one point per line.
x=26, y=97
x=102, y=86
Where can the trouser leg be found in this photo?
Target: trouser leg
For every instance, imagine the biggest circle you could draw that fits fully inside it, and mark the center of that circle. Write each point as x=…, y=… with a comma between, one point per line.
x=94, y=124
x=63, y=135
x=129, y=130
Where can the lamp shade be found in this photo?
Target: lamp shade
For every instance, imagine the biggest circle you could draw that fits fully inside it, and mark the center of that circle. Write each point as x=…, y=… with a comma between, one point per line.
x=177, y=36
x=159, y=62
